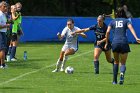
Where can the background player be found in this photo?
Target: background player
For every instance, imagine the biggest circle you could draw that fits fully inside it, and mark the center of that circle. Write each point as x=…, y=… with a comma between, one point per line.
x=120, y=45
x=70, y=46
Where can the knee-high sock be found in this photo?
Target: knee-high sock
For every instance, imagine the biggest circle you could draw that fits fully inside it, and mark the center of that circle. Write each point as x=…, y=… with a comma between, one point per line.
x=112, y=62
x=96, y=67
x=115, y=72
x=64, y=61
x=123, y=69
x=58, y=64
x=13, y=52
x=9, y=50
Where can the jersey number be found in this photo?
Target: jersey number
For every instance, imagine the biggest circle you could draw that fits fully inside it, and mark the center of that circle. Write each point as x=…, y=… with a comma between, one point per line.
x=119, y=24
x=99, y=36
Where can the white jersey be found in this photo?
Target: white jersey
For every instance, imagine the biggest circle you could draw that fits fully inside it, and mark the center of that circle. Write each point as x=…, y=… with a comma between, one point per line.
x=71, y=40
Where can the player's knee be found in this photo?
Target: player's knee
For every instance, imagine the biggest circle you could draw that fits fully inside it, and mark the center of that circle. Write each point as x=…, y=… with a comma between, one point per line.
x=96, y=57
x=116, y=62
x=109, y=60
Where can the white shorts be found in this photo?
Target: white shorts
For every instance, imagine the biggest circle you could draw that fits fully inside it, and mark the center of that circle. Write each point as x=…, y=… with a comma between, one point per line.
x=65, y=47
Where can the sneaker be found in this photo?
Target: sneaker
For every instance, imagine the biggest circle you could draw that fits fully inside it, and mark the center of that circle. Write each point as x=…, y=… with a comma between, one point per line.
x=56, y=70
x=96, y=72
x=62, y=69
x=121, y=78
x=114, y=83
x=5, y=66
x=1, y=66
x=13, y=59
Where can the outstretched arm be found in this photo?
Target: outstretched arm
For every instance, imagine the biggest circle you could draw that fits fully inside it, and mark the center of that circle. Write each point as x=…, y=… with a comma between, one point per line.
x=133, y=32
x=83, y=35
x=80, y=31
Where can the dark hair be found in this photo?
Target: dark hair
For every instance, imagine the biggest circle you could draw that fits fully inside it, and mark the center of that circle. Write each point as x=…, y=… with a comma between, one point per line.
x=120, y=13
x=70, y=19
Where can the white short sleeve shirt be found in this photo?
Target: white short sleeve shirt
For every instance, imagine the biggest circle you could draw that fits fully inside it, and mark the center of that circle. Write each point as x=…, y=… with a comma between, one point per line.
x=3, y=21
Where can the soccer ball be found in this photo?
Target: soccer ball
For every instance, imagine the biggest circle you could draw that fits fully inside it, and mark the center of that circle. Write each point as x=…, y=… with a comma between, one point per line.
x=69, y=70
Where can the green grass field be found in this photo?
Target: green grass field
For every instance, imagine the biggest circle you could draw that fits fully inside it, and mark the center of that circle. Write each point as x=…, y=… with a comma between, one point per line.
x=35, y=76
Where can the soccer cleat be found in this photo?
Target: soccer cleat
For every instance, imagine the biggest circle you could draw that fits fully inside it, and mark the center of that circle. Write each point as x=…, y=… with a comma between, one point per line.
x=56, y=70
x=62, y=69
x=121, y=78
x=96, y=72
x=13, y=59
x=114, y=83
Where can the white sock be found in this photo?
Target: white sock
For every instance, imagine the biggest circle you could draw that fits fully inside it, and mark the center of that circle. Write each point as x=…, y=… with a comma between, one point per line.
x=58, y=64
x=64, y=61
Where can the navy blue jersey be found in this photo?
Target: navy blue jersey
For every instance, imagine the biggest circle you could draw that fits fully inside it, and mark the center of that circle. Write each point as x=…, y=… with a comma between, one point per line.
x=119, y=27
x=100, y=32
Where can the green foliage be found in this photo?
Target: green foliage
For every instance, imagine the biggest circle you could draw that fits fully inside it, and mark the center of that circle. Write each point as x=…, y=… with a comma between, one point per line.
x=73, y=7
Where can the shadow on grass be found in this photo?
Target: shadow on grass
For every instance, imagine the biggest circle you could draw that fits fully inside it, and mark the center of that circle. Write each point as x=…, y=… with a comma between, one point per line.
x=12, y=88
x=30, y=63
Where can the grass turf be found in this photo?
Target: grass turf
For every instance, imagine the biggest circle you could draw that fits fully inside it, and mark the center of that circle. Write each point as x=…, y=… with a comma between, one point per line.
x=35, y=76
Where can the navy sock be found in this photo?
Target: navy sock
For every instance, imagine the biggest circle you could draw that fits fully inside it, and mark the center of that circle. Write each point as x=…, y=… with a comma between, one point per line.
x=9, y=50
x=13, y=52
x=112, y=61
x=3, y=64
x=123, y=69
x=96, y=67
x=115, y=72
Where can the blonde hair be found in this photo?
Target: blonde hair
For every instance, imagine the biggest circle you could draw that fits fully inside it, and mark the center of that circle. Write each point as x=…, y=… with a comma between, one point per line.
x=18, y=3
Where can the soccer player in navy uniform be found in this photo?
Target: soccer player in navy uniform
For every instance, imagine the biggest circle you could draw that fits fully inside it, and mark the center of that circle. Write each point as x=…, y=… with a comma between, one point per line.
x=120, y=46
x=100, y=31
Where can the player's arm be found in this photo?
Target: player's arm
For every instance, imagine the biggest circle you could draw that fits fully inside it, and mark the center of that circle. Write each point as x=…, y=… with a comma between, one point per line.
x=107, y=36
x=4, y=26
x=133, y=32
x=14, y=17
x=101, y=41
x=60, y=37
x=80, y=31
x=83, y=35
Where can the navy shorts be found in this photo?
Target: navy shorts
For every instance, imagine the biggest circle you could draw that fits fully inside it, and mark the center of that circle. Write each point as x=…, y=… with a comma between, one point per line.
x=120, y=48
x=2, y=40
x=14, y=37
x=102, y=45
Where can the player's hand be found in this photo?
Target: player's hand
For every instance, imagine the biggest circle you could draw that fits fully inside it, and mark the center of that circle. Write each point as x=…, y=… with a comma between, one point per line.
x=138, y=40
x=99, y=42
x=73, y=33
x=7, y=25
x=58, y=34
x=105, y=47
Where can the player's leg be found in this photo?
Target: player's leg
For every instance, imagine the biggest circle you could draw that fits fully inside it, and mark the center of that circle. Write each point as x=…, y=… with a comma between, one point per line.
x=116, y=66
x=2, y=49
x=59, y=61
x=97, y=52
x=14, y=46
x=109, y=57
x=123, y=58
x=69, y=51
x=2, y=57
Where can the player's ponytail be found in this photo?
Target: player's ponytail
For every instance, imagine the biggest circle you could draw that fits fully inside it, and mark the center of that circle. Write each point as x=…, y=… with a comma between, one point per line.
x=120, y=13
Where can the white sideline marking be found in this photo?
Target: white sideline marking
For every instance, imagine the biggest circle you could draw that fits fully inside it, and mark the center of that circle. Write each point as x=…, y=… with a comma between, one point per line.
x=31, y=72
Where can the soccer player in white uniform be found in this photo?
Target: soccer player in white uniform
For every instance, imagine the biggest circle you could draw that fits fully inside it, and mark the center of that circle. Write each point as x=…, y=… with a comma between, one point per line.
x=70, y=46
